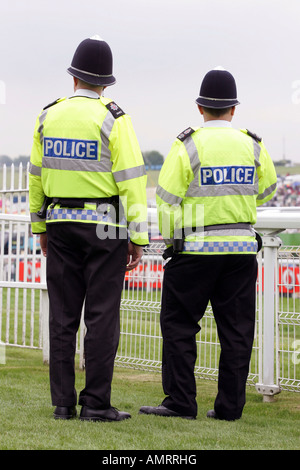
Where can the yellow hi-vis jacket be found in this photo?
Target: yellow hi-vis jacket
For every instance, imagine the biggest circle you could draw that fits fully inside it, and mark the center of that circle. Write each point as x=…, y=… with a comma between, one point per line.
x=210, y=185
x=85, y=147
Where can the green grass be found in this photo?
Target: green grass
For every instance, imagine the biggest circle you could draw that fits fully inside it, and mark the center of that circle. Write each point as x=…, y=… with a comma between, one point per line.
x=27, y=422
x=141, y=335
x=284, y=170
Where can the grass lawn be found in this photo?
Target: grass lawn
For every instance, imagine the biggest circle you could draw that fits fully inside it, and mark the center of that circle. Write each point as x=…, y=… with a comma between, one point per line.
x=27, y=422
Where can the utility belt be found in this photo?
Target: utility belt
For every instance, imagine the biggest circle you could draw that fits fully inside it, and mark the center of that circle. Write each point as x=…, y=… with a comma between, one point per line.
x=78, y=203
x=180, y=234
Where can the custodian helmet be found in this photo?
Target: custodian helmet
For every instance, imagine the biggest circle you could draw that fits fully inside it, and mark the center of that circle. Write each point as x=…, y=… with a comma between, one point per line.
x=93, y=62
x=218, y=90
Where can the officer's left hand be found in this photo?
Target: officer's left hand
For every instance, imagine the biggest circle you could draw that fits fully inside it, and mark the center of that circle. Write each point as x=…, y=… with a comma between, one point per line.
x=134, y=255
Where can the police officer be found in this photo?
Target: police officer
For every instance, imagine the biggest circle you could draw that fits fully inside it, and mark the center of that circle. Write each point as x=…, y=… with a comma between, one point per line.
x=208, y=190
x=87, y=188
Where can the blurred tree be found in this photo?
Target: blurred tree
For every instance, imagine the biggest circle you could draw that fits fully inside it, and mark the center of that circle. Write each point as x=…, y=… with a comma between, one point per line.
x=153, y=158
x=5, y=160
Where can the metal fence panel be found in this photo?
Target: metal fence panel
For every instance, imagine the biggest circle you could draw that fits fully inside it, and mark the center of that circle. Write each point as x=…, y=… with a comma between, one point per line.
x=288, y=318
x=24, y=303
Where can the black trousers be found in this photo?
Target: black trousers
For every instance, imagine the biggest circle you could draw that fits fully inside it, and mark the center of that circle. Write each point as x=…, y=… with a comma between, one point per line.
x=190, y=282
x=83, y=270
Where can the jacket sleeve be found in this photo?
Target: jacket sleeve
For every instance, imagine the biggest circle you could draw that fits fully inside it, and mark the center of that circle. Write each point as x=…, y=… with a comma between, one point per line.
x=130, y=176
x=174, y=179
x=267, y=178
x=36, y=193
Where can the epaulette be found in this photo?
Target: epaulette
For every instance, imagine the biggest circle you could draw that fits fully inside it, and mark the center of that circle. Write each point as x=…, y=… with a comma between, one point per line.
x=254, y=136
x=115, y=110
x=53, y=103
x=185, y=134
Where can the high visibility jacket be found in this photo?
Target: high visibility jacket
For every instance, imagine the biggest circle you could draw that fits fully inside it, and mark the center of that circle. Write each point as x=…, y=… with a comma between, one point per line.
x=209, y=187
x=85, y=147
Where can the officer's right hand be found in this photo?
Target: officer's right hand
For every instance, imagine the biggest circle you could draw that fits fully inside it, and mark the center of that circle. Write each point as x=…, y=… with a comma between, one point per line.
x=43, y=243
x=134, y=255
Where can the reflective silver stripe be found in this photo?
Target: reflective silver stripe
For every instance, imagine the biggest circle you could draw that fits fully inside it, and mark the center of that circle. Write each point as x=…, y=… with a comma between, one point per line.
x=217, y=99
x=129, y=173
x=42, y=118
x=237, y=232
x=267, y=191
x=221, y=247
x=257, y=150
x=228, y=190
x=35, y=218
x=230, y=233
x=270, y=189
x=223, y=230
x=195, y=165
x=35, y=170
x=89, y=73
x=56, y=163
x=105, y=132
x=193, y=154
x=193, y=189
x=215, y=233
x=167, y=197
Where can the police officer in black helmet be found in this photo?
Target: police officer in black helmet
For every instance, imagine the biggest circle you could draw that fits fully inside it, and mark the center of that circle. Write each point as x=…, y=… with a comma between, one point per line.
x=226, y=173
x=86, y=159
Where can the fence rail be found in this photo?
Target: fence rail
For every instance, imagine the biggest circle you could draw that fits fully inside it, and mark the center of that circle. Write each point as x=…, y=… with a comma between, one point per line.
x=275, y=361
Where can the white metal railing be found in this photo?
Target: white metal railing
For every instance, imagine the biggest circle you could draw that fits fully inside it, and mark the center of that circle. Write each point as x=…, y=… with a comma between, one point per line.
x=24, y=301
x=270, y=223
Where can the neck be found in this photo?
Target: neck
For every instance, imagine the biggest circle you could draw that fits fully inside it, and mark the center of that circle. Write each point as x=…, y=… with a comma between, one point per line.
x=80, y=85
x=222, y=118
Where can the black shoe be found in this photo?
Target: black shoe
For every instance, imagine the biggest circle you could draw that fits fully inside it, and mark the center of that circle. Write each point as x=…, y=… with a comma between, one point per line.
x=162, y=411
x=110, y=414
x=214, y=415
x=65, y=412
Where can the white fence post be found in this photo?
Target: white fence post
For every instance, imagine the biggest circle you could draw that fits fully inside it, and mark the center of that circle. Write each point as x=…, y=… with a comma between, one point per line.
x=270, y=222
x=267, y=386
x=45, y=312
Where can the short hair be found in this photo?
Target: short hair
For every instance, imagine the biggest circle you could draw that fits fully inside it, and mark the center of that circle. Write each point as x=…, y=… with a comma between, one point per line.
x=216, y=112
x=89, y=85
